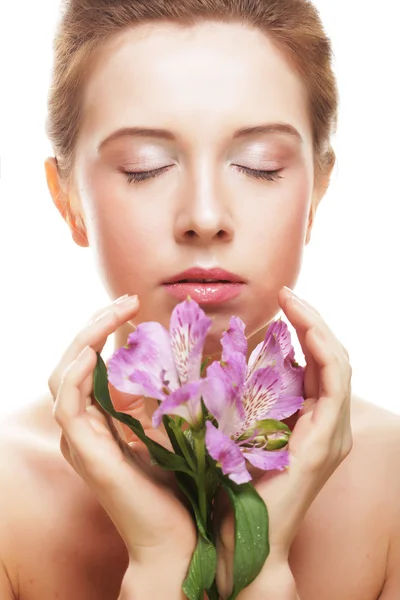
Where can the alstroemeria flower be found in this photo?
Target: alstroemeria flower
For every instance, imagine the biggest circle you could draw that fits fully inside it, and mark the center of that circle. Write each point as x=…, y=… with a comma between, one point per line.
x=242, y=396
x=165, y=365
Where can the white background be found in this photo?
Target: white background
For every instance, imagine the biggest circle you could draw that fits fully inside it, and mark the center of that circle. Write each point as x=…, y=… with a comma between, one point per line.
x=49, y=286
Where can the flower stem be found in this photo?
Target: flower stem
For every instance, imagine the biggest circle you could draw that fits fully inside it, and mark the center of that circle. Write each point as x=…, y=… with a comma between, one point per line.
x=201, y=474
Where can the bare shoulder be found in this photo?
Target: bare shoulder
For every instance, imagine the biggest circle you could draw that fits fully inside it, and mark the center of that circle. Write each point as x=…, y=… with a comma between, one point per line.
x=349, y=526
x=382, y=428
x=367, y=415
x=31, y=469
x=376, y=451
x=43, y=499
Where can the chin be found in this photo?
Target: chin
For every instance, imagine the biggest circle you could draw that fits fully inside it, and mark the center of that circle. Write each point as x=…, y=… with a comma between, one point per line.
x=212, y=347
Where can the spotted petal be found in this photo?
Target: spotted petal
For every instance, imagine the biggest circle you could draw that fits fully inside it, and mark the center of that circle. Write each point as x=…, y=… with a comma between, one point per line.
x=261, y=394
x=292, y=379
x=146, y=384
x=285, y=407
x=233, y=339
x=188, y=330
x=148, y=349
x=223, y=391
x=267, y=353
x=184, y=402
x=229, y=456
x=280, y=331
x=267, y=460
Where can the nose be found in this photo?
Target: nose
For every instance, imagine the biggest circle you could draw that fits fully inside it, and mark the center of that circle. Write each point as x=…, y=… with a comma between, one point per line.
x=204, y=214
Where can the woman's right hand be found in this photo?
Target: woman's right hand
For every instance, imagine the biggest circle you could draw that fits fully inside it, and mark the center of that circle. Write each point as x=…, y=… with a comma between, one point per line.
x=141, y=499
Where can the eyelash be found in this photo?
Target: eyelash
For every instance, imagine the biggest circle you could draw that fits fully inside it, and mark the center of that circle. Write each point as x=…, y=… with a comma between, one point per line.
x=140, y=176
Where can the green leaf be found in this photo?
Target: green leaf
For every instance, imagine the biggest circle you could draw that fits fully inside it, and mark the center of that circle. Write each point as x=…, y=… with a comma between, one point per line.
x=185, y=447
x=251, y=533
x=201, y=573
x=166, y=459
x=169, y=428
x=203, y=566
x=207, y=360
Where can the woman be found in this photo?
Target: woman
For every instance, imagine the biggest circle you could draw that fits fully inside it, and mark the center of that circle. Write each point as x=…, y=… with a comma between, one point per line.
x=194, y=135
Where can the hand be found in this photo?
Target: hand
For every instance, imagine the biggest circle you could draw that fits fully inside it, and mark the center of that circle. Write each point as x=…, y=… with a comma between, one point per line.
x=320, y=441
x=138, y=497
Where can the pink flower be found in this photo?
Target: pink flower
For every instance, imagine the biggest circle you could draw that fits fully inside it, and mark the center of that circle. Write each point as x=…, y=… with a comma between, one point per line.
x=247, y=399
x=165, y=365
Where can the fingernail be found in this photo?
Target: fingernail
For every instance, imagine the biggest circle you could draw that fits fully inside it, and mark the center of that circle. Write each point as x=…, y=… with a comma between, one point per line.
x=130, y=301
x=291, y=292
x=294, y=297
x=120, y=299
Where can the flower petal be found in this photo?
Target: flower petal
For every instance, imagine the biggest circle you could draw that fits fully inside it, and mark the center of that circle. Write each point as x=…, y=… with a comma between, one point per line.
x=148, y=349
x=188, y=330
x=292, y=379
x=267, y=460
x=184, y=402
x=229, y=456
x=233, y=339
x=267, y=353
x=219, y=403
x=280, y=331
x=146, y=384
x=223, y=392
x=261, y=394
x=285, y=407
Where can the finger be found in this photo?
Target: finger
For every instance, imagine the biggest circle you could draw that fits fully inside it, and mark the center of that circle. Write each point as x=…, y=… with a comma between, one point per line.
x=335, y=377
x=80, y=439
x=95, y=335
x=311, y=375
x=304, y=318
x=301, y=314
x=289, y=301
x=70, y=401
x=139, y=408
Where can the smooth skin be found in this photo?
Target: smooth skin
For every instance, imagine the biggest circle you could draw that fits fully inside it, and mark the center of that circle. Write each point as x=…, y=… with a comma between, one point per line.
x=64, y=536
x=154, y=524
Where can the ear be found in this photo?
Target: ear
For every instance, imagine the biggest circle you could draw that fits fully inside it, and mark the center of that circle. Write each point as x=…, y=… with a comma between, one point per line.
x=320, y=189
x=311, y=216
x=63, y=203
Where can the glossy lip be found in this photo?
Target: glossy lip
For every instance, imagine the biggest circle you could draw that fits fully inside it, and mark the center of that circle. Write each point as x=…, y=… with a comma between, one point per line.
x=221, y=287
x=196, y=273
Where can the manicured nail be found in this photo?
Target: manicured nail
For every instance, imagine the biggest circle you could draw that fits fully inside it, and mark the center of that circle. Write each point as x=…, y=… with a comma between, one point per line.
x=120, y=299
x=129, y=301
x=291, y=293
x=288, y=290
x=294, y=298
x=297, y=301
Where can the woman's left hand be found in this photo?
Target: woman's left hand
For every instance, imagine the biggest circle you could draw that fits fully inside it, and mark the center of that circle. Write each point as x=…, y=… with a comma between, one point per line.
x=320, y=441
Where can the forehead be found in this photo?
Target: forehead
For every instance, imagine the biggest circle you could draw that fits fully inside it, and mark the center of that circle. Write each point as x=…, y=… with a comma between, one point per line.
x=206, y=77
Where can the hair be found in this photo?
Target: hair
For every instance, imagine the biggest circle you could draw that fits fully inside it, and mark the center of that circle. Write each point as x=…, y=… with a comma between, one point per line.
x=294, y=26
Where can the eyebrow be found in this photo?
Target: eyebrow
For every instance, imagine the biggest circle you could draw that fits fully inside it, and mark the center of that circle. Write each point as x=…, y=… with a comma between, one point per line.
x=165, y=134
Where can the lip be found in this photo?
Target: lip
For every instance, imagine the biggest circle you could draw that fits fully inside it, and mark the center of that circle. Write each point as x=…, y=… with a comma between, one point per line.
x=216, y=274
x=225, y=286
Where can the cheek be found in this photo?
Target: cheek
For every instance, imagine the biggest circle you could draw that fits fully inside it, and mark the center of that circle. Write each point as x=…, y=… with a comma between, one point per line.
x=124, y=234
x=278, y=235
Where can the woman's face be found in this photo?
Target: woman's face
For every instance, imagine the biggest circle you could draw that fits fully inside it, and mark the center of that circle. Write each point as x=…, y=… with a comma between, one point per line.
x=205, y=206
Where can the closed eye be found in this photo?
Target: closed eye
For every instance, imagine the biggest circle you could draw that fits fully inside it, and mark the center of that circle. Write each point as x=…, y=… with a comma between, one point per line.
x=258, y=174
x=139, y=176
